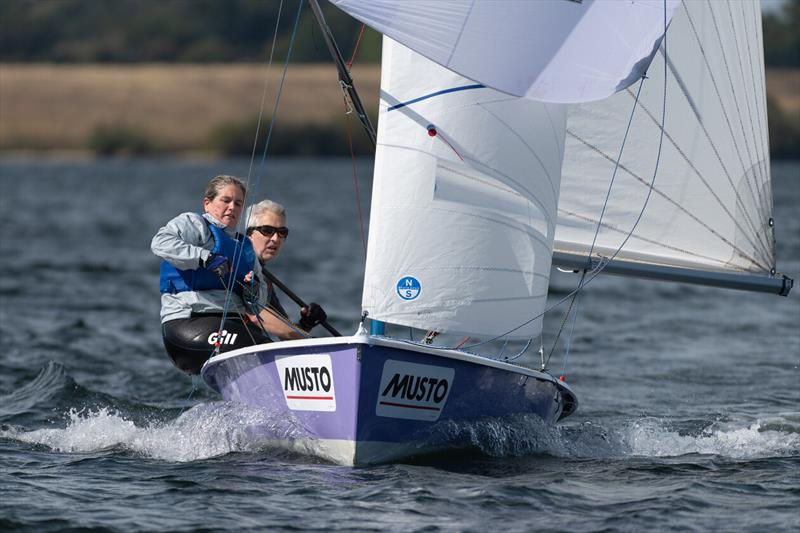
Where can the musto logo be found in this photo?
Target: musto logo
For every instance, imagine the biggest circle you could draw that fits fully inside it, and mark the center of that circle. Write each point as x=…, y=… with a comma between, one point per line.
x=307, y=382
x=413, y=391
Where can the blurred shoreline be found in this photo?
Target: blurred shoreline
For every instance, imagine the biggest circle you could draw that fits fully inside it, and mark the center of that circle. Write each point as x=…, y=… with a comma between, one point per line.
x=84, y=110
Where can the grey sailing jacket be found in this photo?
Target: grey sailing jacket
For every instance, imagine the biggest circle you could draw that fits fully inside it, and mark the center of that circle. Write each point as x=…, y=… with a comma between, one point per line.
x=184, y=241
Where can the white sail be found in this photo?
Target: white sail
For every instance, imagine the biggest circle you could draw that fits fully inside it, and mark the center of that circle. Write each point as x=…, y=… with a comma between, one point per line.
x=549, y=50
x=464, y=202
x=711, y=205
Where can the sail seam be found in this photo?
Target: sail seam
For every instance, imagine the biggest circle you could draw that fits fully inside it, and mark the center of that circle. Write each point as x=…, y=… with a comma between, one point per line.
x=524, y=229
x=670, y=200
x=555, y=133
x=553, y=190
x=761, y=107
x=460, y=33
x=738, y=112
x=762, y=75
x=619, y=158
x=756, y=142
x=687, y=160
x=740, y=202
x=745, y=135
x=466, y=176
x=471, y=268
x=719, y=97
x=529, y=195
x=643, y=239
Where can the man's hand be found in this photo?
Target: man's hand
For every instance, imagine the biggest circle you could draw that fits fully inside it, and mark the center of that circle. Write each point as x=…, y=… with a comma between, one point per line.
x=250, y=289
x=311, y=316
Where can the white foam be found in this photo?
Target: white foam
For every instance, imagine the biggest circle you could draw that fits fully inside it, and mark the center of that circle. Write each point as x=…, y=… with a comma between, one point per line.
x=774, y=436
x=204, y=431
x=218, y=428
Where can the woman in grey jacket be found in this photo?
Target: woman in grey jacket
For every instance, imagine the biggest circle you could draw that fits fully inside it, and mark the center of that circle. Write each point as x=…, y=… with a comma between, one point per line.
x=202, y=257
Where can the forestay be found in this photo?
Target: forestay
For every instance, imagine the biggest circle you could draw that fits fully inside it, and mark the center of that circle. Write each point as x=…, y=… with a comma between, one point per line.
x=711, y=206
x=548, y=50
x=464, y=202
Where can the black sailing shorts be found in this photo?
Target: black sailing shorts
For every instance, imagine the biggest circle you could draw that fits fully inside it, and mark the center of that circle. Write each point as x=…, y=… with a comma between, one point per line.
x=191, y=341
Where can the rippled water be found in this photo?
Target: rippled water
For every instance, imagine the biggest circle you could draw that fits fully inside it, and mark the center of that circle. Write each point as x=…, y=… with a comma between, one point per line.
x=690, y=397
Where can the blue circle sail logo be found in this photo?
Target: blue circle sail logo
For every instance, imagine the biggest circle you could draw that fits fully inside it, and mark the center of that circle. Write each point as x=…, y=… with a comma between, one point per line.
x=408, y=288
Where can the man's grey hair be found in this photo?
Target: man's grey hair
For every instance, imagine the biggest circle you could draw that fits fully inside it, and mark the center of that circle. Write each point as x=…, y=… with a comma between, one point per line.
x=255, y=211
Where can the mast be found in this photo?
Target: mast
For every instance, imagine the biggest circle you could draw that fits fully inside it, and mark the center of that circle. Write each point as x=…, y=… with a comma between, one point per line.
x=348, y=86
x=344, y=76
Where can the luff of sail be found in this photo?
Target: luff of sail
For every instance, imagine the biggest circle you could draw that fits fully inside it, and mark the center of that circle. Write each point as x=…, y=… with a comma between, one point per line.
x=463, y=212
x=547, y=50
x=710, y=210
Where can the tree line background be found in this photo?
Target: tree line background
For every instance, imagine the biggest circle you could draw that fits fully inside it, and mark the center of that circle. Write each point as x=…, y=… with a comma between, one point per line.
x=209, y=31
x=241, y=31
x=172, y=31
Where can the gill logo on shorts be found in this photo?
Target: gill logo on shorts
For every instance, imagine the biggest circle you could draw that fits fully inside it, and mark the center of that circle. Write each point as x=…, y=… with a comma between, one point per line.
x=408, y=288
x=223, y=338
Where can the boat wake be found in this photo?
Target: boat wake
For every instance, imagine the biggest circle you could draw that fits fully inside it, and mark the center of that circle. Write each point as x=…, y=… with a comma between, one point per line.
x=757, y=438
x=95, y=422
x=202, y=432
x=92, y=422
x=751, y=438
x=218, y=428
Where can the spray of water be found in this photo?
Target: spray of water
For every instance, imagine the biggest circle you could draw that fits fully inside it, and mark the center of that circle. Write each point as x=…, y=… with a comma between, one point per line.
x=218, y=428
x=774, y=436
x=204, y=431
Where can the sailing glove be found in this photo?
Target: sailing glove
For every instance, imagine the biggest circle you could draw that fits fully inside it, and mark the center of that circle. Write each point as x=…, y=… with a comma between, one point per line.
x=250, y=295
x=313, y=315
x=218, y=264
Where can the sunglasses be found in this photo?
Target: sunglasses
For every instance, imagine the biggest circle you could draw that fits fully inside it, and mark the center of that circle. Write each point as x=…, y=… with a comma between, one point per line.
x=269, y=231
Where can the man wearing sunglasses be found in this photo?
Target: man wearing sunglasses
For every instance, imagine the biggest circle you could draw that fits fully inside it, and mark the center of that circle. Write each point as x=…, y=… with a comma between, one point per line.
x=266, y=228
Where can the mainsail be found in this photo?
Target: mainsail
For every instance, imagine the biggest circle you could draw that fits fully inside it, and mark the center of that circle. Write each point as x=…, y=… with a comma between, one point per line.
x=465, y=191
x=547, y=50
x=467, y=180
x=710, y=209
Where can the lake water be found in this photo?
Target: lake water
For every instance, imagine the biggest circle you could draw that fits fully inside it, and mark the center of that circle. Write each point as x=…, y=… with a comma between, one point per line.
x=690, y=396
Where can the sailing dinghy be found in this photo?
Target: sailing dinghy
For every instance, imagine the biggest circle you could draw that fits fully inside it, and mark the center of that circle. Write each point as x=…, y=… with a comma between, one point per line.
x=475, y=187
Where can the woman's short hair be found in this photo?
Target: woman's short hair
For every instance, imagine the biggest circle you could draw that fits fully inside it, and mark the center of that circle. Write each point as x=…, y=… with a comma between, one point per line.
x=218, y=182
x=255, y=211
